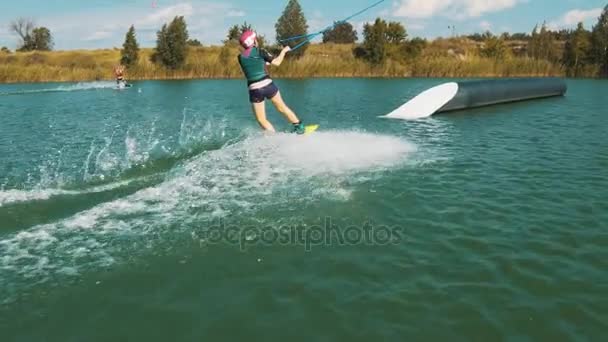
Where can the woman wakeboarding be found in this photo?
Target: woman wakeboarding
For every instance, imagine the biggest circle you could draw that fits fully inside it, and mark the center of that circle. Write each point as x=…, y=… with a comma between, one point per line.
x=119, y=72
x=254, y=62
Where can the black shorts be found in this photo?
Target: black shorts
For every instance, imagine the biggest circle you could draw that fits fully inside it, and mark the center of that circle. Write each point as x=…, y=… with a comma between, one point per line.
x=259, y=95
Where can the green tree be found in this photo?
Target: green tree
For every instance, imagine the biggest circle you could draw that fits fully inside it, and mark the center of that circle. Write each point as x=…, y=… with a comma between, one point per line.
x=548, y=49
x=495, y=48
x=520, y=36
x=477, y=37
x=32, y=38
x=561, y=35
x=542, y=44
x=23, y=27
x=533, y=44
x=194, y=42
x=375, y=41
x=487, y=35
x=130, y=49
x=172, y=44
x=341, y=33
x=28, y=44
x=42, y=39
x=5, y=50
x=396, y=38
x=290, y=24
x=576, y=51
x=161, y=52
x=414, y=47
x=480, y=37
x=382, y=40
x=245, y=27
x=234, y=32
x=395, y=33
x=600, y=43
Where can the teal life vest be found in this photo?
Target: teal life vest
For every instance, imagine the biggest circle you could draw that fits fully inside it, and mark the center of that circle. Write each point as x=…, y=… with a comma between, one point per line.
x=254, y=66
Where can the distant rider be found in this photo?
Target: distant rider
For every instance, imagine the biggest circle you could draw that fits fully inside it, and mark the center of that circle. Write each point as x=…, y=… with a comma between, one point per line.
x=119, y=72
x=254, y=61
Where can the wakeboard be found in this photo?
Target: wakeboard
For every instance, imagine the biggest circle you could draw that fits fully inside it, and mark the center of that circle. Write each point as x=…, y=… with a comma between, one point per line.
x=123, y=86
x=310, y=129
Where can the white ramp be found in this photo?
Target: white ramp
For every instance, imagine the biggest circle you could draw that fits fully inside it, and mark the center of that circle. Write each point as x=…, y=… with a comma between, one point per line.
x=426, y=103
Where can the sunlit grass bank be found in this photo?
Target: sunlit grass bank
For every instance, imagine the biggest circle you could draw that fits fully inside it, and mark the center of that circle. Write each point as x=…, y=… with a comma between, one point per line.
x=321, y=60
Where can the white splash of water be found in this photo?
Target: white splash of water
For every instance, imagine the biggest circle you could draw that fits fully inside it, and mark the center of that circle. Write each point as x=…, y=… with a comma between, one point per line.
x=88, y=86
x=85, y=169
x=13, y=196
x=105, y=159
x=67, y=88
x=256, y=173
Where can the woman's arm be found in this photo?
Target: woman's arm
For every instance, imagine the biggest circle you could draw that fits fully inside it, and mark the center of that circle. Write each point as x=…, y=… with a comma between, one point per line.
x=277, y=61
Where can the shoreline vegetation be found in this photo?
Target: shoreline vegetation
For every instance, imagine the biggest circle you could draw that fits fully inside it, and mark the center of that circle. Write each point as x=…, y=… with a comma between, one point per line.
x=321, y=61
x=384, y=50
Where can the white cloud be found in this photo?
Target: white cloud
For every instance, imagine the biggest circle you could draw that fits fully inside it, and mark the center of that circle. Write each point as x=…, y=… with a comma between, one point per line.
x=460, y=9
x=573, y=17
x=104, y=28
x=421, y=8
x=166, y=14
x=98, y=35
x=415, y=26
x=485, y=25
x=576, y=16
x=235, y=13
x=476, y=8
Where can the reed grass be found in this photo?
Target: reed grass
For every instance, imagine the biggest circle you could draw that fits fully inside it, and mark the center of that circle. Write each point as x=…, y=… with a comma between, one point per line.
x=441, y=58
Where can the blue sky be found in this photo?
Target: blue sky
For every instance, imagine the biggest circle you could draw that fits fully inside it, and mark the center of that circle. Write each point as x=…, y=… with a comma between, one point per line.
x=102, y=23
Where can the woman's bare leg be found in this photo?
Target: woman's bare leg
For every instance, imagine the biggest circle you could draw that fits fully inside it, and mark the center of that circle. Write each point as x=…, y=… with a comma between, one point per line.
x=278, y=102
x=259, y=109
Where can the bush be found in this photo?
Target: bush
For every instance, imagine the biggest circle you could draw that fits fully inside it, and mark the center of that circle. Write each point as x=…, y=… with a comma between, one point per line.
x=341, y=33
x=172, y=44
x=375, y=41
x=292, y=23
x=130, y=49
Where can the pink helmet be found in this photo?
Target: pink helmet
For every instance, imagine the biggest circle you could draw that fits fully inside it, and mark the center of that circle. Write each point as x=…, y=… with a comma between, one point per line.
x=247, y=39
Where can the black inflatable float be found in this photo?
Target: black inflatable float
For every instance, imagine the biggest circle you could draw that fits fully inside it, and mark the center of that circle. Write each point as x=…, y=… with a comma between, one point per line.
x=471, y=94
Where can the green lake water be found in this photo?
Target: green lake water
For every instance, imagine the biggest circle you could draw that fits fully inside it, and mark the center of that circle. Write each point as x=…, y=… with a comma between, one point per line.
x=162, y=213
